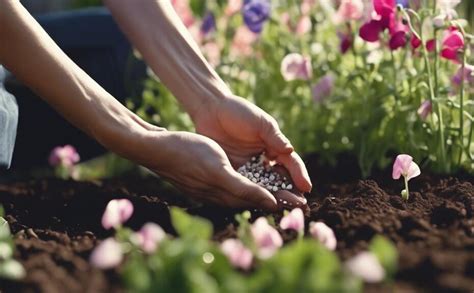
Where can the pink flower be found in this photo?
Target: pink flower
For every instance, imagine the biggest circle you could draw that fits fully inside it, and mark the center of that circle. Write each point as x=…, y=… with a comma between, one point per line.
x=323, y=88
x=467, y=75
x=345, y=41
x=384, y=7
x=296, y=66
x=238, y=255
x=453, y=43
x=117, y=212
x=303, y=26
x=267, y=239
x=233, y=7
x=63, y=156
x=183, y=10
x=430, y=45
x=425, y=109
x=323, y=234
x=242, y=42
x=350, y=10
x=365, y=265
x=398, y=40
x=108, y=254
x=212, y=51
x=294, y=220
x=404, y=166
x=370, y=31
x=306, y=6
x=149, y=236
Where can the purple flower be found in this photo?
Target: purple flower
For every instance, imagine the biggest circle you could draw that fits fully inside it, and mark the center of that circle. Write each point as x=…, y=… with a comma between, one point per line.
x=404, y=3
x=255, y=13
x=208, y=23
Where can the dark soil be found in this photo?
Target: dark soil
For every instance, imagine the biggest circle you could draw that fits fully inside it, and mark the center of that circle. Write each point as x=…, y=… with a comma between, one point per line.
x=56, y=224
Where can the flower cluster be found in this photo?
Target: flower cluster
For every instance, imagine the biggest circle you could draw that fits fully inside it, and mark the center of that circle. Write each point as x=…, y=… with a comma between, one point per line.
x=63, y=159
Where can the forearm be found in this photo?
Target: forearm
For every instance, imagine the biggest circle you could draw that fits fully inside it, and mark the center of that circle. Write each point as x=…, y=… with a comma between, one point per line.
x=157, y=32
x=33, y=57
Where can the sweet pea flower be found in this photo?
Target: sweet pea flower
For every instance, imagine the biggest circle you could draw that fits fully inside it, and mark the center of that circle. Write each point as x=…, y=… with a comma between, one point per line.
x=108, y=254
x=425, y=109
x=256, y=13
x=404, y=166
x=345, y=41
x=323, y=234
x=365, y=265
x=266, y=238
x=453, y=44
x=150, y=236
x=233, y=6
x=117, y=212
x=349, y=10
x=447, y=8
x=242, y=42
x=296, y=66
x=208, y=23
x=467, y=75
x=398, y=40
x=294, y=221
x=323, y=88
x=238, y=255
x=303, y=26
x=63, y=156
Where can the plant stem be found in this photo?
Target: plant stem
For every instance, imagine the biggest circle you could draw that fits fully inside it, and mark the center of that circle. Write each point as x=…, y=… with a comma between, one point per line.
x=461, y=108
x=406, y=188
x=442, y=142
x=395, y=82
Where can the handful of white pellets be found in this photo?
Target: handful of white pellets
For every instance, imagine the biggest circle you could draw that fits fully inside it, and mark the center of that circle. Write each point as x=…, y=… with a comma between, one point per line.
x=259, y=171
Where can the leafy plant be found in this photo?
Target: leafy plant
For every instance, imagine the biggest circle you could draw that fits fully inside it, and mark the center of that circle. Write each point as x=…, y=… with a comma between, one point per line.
x=9, y=267
x=370, y=98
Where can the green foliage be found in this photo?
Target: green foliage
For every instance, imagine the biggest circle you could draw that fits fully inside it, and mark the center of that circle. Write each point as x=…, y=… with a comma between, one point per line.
x=194, y=263
x=190, y=227
x=9, y=267
x=372, y=109
x=386, y=253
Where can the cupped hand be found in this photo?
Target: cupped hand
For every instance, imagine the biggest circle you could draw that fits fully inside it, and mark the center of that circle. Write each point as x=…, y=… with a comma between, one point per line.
x=199, y=166
x=244, y=130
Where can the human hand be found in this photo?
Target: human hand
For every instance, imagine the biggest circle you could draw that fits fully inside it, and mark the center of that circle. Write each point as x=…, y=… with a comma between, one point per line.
x=244, y=130
x=199, y=166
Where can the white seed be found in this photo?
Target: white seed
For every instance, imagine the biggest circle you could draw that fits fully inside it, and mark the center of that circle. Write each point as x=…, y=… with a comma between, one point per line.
x=256, y=175
x=289, y=187
x=285, y=202
x=275, y=188
x=254, y=180
x=269, y=187
x=272, y=177
x=283, y=185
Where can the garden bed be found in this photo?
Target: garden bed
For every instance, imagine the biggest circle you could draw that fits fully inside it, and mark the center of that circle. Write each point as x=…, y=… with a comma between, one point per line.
x=56, y=224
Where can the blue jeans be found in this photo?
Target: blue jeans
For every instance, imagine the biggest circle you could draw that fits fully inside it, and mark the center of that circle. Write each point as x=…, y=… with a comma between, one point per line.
x=91, y=38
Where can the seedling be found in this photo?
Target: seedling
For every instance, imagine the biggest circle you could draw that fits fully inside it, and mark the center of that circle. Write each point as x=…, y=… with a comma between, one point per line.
x=404, y=166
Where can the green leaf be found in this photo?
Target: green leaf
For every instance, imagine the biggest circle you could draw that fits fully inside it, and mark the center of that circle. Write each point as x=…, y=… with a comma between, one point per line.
x=6, y=250
x=4, y=229
x=198, y=7
x=11, y=269
x=386, y=253
x=188, y=226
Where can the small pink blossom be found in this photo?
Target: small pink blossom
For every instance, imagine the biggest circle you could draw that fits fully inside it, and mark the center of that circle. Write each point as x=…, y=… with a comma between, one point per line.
x=294, y=220
x=117, y=212
x=404, y=166
x=63, y=156
x=150, y=236
x=365, y=265
x=296, y=66
x=242, y=42
x=467, y=75
x=267, y=239
x=323, y=234
x=307, y=6
x=303, y=26
x=425, y=109
x=350, y=10
x=323, y=88
x=108, y=254
x=233, y=7
x=384, y=7
x=238, y=255
x=212, y=51
x=453, y=43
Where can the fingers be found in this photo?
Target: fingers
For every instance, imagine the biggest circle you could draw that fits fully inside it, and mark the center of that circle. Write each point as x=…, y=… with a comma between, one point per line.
x=295, y=166
x=275, y=141
x=245, y=191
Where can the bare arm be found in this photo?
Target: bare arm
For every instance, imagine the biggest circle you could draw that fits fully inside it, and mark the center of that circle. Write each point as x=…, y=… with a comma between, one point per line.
x=156, y=31
x=33, y=57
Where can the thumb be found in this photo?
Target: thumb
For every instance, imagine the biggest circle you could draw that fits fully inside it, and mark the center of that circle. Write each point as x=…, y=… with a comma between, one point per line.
x=275, y=141
x=245, y=191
